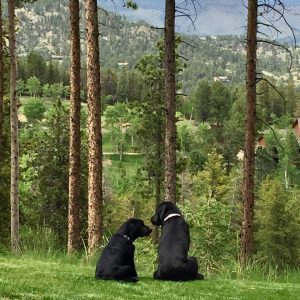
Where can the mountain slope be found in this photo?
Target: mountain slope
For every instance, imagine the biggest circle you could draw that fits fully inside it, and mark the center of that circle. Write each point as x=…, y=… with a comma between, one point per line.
x=44, y=28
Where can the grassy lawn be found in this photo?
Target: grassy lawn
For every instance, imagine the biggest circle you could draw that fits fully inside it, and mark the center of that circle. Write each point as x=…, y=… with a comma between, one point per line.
x=29, y=278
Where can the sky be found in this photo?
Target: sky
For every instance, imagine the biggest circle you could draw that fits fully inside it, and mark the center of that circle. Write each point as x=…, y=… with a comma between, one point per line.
x=214, y=17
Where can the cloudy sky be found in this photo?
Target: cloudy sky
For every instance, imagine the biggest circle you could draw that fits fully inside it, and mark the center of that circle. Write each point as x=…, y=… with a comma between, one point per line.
x=214, y=17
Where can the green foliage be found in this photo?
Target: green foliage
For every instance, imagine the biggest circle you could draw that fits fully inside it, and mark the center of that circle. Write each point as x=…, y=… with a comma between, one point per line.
x=203, y=139
x=5, y=190
x=280, y=157
x=44, y=173
x=39, y=240
x=21, y=87
x=34, y=110
x=116, y=121
x=152, y=120
x=212, y=181
x=213, y=239
x=212, y=102
x=34, y=86
x=131, y=4
x=278, y=226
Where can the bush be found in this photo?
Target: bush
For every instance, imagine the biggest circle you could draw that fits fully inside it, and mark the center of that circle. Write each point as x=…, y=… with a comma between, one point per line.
x=39, y=240
x=278, y=224
x=34, y=110
x=213, y=239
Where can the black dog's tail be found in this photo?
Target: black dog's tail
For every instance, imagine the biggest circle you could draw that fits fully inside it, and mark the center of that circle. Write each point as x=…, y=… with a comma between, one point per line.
x=185, y=272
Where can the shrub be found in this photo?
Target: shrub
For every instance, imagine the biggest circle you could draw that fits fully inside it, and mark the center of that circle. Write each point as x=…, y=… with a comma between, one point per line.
x=34, y=110
x=278, y=224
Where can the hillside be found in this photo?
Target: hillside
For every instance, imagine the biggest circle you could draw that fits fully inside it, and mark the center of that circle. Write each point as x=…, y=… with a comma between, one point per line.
x=56, y=278
x=44, y=28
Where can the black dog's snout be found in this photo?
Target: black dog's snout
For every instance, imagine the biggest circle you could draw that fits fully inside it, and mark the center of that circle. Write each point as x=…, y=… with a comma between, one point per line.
x=148, y=230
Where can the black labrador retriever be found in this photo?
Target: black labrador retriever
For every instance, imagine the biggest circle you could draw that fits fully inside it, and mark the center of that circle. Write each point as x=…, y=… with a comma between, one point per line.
x=173, y=261
x=117, y=259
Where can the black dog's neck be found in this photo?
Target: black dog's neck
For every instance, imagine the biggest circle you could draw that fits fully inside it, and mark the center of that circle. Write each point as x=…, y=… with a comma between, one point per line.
x=170, y=216
x=126, y=237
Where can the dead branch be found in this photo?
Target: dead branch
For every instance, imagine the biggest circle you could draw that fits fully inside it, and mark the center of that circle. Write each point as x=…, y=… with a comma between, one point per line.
x=110, y=26
x=274, y=88
x=103, y=10
x=269, y=126
x=187, y=43
x=274, y=43
x=159, y=28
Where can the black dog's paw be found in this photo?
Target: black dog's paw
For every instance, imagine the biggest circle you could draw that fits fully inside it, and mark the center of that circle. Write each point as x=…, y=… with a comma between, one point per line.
x=200, y=276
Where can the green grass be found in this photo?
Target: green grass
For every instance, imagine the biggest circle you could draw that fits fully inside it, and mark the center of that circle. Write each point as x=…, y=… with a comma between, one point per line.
x=62, y=278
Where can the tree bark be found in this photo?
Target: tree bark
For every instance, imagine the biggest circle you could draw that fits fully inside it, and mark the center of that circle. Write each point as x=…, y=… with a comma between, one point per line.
x=94, y=128
x=170, y=97
x=249, y=146
x=1, y=80
x=74, y=167
x=14, y=189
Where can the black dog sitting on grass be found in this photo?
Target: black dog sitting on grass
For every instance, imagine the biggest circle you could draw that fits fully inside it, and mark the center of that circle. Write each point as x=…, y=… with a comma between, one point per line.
x=117, y=259
x=173, y=261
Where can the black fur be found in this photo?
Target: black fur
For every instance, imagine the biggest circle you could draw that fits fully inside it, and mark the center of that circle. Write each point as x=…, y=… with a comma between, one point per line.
x=173, y=261
x=117, y=259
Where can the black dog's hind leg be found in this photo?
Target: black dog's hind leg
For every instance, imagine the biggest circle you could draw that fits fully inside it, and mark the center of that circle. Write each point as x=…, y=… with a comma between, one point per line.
x=125, y=273
x=192, y=269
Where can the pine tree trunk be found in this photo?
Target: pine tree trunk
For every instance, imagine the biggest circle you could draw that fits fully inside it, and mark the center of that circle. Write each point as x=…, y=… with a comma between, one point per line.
x=1, y=80
x=249, y=146
x=74, y=168
x=14, y=189
x=94, y=128
x=170, y=94
x=158, y=180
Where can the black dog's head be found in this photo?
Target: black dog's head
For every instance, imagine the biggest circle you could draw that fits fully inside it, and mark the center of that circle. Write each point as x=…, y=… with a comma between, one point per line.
x=134, y=228
x=162, y=211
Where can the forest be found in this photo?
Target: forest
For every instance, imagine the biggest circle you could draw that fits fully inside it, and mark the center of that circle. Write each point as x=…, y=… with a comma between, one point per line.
x=93, y=133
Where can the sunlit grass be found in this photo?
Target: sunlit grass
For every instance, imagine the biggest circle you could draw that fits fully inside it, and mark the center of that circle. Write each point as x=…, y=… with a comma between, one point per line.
x=62, y=277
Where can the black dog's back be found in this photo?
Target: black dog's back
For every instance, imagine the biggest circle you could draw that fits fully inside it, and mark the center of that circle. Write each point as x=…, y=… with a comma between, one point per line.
x=114, y=263
x=173, y=261
x=117, y=259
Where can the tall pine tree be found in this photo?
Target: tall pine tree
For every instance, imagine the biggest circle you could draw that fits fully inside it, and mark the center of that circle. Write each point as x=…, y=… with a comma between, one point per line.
x=74, y=167
x=94, y=127
x=249, y=146
x=170, y=98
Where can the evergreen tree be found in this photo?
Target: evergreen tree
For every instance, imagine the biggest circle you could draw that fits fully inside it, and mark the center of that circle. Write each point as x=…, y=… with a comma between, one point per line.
x=152, y=120
x=170, y=98
x=36, y=66
x=94, y=127
x=14, y=191
x=277, y=236
x=1, y=80
x=34, y=86
x=74, y=168
x=249, y=146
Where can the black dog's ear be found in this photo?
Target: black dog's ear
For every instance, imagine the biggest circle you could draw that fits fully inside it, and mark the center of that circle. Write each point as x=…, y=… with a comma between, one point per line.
x=155, y=220
x=131, y=225
x=159, y=215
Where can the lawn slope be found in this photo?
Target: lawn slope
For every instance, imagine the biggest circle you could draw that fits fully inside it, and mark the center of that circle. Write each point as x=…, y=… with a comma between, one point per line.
x=28, y=278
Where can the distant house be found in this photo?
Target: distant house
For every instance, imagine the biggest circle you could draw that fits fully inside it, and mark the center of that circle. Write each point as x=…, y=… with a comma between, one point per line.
x=282, y=133
x=122, y=64
x=296, y=127
x=221, y=79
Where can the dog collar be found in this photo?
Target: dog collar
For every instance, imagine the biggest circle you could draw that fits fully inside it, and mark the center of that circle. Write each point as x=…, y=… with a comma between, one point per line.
x=171, y=216
x=125, y=237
